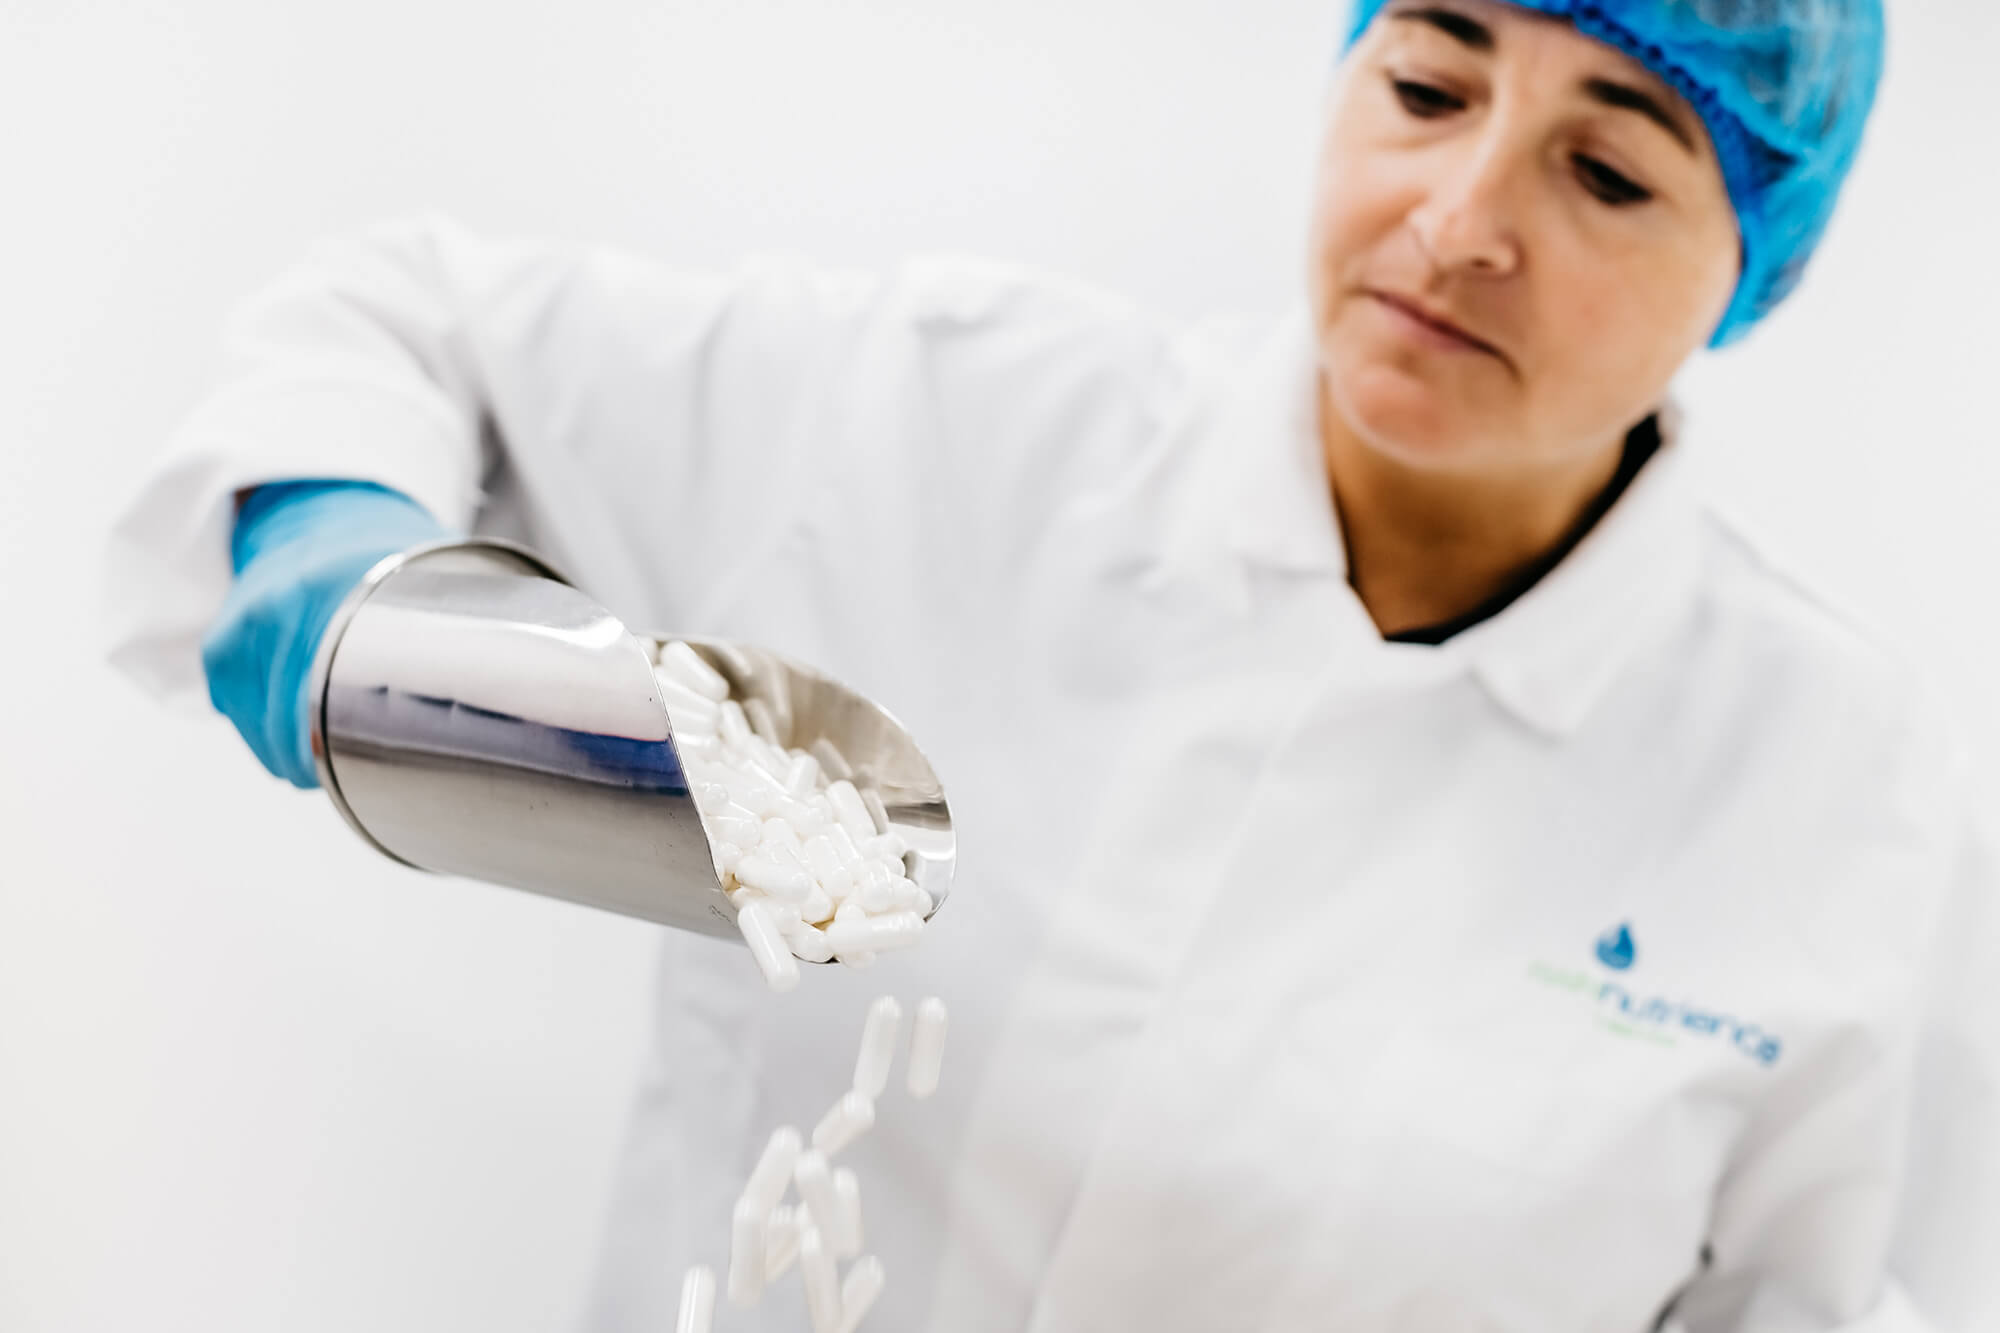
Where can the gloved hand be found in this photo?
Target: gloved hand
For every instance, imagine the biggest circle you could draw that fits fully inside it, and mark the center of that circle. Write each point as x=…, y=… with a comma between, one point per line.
x=298, y=549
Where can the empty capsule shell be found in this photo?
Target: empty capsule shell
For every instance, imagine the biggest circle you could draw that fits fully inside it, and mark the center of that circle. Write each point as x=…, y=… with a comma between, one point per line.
x=697, y=1313
x=814, y=1177
x=685, y=665
x=858, y=1293
x=822, y=1279
x=847, y=1120
x=781, y=1241
x=878, y=1046
x=763, y=724
x=843, y=1237
x=773, y=1171
x=746, y=1253
x=767, y=946
x=926, y=1047
x=831, y=761
x=851, y=813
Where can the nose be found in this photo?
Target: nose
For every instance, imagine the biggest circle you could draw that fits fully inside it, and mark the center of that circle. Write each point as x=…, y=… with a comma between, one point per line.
x=1466, y=222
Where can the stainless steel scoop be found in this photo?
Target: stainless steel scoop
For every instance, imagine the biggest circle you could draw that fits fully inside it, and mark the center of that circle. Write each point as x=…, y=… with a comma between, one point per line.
x=474, y=714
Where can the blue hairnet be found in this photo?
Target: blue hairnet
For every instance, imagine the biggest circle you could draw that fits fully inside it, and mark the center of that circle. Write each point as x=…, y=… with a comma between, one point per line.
x=1784, y=87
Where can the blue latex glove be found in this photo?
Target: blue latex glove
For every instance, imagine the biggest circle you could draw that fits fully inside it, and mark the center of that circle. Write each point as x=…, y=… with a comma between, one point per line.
x=298, y=549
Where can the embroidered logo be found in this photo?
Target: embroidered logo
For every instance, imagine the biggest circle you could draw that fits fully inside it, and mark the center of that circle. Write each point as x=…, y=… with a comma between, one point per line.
x=1615, y=949
x=1654, y=1020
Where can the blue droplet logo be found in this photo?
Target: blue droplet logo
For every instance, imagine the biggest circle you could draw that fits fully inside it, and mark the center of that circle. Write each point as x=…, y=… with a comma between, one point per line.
x=1615, y=948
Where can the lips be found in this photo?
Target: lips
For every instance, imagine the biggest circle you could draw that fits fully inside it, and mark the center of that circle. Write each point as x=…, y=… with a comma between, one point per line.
x=1446, y=332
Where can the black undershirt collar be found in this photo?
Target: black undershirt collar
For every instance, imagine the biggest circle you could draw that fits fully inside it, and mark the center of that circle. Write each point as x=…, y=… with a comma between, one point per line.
x=1641, y=444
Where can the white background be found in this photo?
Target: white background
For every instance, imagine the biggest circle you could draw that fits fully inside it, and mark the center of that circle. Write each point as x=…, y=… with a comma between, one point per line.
x=251, y=1078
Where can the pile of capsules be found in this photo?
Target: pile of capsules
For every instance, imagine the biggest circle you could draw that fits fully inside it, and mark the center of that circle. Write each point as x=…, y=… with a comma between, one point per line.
x=767, y=1235
x=808, y=860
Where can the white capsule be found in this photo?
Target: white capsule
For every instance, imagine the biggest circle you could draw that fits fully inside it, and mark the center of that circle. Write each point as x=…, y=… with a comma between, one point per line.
x=781, y=1241
x=687, y=710
x=802, y=776
x=831, y=761
x=759, y=798
x=849, y=934
x=888, y=847
x=762, y=869
x=785, y=916
x=776, y=832
x=746, y=1253
x=711, y=797
x=845, y=847
x=820, y=858
x=878, y=891
x=804, y=819
x=905, y=896
x=849, y=928
x=815, y=1181
x=878, y=1046
x=840, y=885
x=817, y=907
x=773, y=759
x=727, y=856
x=858, y=1293
x=739, y=829
x=697, y=746
x=822, y=1279
x=851, y=813
x=878, y=815
x=926, y=1047
x=897, y=930
x=735, y=727
x=757, y=765
x=773, y=1171
x=687, y=667
x=810, y=946
x=697, y=1313
x=763, y=723
x=847, y=1120
x=767, y=946
x=849, y=1193
x=844, y=1236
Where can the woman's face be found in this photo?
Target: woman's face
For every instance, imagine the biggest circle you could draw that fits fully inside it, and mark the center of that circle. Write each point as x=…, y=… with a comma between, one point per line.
x=1519, y=235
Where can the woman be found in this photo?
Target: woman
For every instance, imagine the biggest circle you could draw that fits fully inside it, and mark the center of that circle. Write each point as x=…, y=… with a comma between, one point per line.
x=1420, y=870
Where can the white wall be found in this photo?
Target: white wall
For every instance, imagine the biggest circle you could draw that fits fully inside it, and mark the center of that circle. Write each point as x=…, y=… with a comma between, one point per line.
x=251, y=1078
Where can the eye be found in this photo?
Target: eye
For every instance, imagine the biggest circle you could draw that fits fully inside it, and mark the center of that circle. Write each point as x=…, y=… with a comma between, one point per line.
x=1613, y=187
x=1425, y=101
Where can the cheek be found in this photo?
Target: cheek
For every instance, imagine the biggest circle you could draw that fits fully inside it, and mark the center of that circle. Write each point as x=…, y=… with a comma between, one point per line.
x=1619, y=328
x=1357, y=208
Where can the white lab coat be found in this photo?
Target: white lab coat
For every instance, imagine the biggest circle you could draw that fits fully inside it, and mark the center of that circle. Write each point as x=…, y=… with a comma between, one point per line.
x=1272, y=958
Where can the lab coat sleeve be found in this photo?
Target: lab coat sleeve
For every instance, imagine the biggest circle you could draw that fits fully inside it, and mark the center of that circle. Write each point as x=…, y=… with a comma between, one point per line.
x=634, y=421
x=351, y=365
x=1940, y=1237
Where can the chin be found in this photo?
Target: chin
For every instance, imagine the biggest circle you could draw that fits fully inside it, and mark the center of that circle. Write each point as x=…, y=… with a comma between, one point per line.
x=1399, y=413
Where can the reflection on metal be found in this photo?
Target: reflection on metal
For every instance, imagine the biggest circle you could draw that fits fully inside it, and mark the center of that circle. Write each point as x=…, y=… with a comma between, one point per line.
x=473, y=714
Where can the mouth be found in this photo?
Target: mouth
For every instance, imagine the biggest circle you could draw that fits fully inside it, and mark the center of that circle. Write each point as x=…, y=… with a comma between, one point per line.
x=1433, y=328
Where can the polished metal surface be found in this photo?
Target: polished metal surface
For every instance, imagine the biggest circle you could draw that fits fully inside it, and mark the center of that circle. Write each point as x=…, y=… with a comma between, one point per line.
x=473, y=714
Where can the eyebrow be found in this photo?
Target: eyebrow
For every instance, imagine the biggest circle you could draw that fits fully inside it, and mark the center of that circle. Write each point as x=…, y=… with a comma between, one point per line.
x=1470, y=31
x=1627, y=98
x=1475, y=35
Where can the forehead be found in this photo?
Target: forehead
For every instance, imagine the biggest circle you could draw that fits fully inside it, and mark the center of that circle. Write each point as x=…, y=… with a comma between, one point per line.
x=1595, y=70
x=1498, y=28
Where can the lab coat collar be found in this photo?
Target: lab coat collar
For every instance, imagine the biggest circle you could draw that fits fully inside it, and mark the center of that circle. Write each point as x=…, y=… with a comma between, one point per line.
x=1550, y=656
